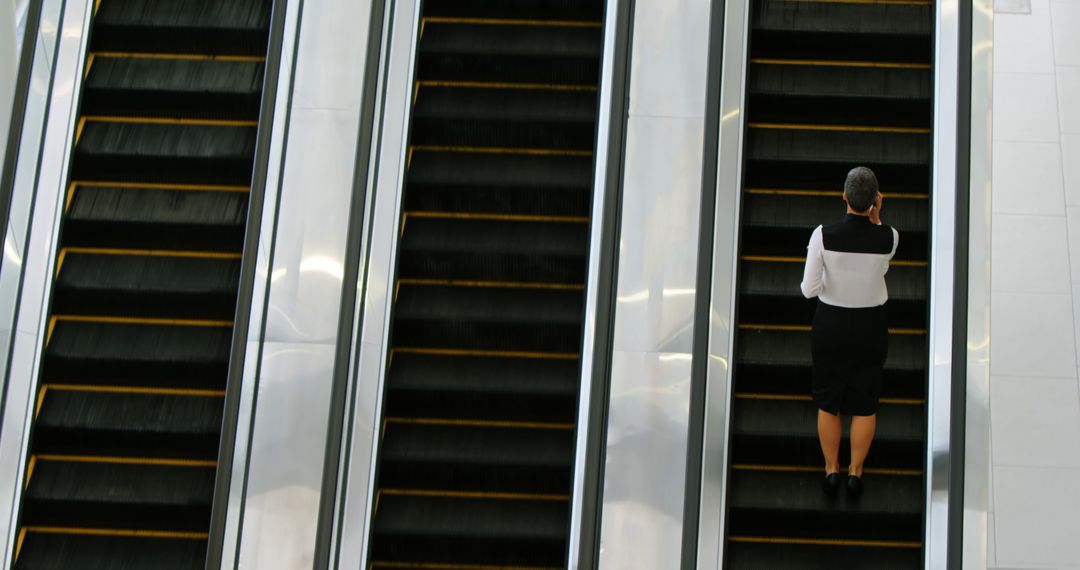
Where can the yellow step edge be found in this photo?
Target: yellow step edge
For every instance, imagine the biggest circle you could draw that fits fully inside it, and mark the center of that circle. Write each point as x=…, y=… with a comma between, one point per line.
x=794, y=259
x=558, y=426
x=809, y=469
x=54, y=320
x=168, y=121
x=493, y=495
x=806, y=328
x=494, y=150
x=491, y=284
x=486, y=353
x=838, y=128
x=128, y=533
x=826, y=193
x=826, y=541
x=807, y=398
x=449, y=566
x=122, y=390
x=512, y=22
x=115, y=460
x=64, y=251
x=496, y=217
x=507, y=85
x=839, y=63
x=177, y=56
x=150, y=186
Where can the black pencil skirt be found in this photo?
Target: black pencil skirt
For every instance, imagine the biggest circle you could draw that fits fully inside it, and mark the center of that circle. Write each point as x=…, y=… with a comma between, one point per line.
x=849, y=347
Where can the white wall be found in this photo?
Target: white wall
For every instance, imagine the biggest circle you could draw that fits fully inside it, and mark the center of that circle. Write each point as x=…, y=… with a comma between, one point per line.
x=9, y=49
x=1035, y=288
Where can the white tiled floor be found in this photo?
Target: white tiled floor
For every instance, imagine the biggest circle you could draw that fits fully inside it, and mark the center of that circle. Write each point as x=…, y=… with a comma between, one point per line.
x=1035, y=289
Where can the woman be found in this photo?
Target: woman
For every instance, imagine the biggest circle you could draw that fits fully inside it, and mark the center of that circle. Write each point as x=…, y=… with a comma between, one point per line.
x=845, y=269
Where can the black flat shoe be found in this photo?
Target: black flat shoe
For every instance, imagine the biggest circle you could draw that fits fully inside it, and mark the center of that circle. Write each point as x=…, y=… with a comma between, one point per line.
x=831, y=484
x=854, y=486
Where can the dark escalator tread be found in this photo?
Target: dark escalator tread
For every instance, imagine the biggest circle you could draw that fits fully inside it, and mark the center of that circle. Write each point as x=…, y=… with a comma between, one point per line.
x=797, y=419
x=801, y=491
x=792, y=348
x=477, y=531
x=756, y=555
x=493, y=250
x=237, y=27
x=151, y=218
x=165, y=152
x=471, y=458
x=55, y=551
x=153, y=286
x=85, y=422
x=591, y=10
x=880, y=84
x=758, y=379
x=807, y=212
x=126, y=86
x=470, y=387
x=112, y=495
x=762, y=279
x=849, y=147
x=772, y=172
x=867, y=19
x=514, y=118
x=80, y=351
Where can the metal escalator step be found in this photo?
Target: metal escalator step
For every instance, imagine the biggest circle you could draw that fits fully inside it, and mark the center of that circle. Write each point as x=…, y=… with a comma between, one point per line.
x=150, y=286
x=81, y=352
x=207, y=88
x=816, y=146
x=155, y=218
x=807, y=212
x=779, y=503
x=795, y=556
x=494, y=250
x=193, y=26
x=469, y=457
x=57, y=550
x=798, y=419
x=879, y=84
x=476, y=531
x=515, y=118
x=510, y=53
x=92, y=420
x=491, y=318
x=792, y=349
x=759, y=379
x=523, y=389
x=862, y=19
x=763, y=279
x=109, y=150
x=119, y=495
x=576, y=10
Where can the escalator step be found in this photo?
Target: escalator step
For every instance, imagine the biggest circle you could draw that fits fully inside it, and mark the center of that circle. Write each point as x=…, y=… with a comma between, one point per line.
x=879, y=84
x=572, y=10
x=109, y=150
x=489, y=318
x=150, y=286
x=114, y=495
x=905, y=283
x=153, y=218
x=494, y=250
x=798, y=419
x=847, y=555
x=191, y=26
x=523, y=389
x=516, y=118
x=133, y=86
x=78, y=352
x=91, y=420
x=55, y=550
x=448, y=529
x=849, y=147
x=792, y=349
x=807, y=212
x=469, y=457
x=858, y=19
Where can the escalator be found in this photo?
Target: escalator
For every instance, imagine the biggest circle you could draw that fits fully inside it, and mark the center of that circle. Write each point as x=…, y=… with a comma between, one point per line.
x=128, y=413
x=477, y=435
x=831, y=84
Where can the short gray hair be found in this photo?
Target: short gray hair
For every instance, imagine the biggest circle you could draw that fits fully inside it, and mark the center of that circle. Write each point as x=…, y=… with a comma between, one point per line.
x=861, y=188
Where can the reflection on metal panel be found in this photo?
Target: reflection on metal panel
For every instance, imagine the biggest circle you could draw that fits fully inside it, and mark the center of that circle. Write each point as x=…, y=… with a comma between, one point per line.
x=977, y=445
x=654, y=311
x=43, y=184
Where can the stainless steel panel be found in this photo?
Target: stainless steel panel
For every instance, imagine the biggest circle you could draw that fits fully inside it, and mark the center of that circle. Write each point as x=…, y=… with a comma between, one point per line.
x=39, y=256
x=710, y=554
x=372, y=313
x=650, y=387
x=977, y=444
x=942, y=255
x=277, y=475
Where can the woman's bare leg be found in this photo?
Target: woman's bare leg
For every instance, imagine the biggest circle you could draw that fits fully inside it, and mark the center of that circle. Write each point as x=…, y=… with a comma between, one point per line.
x=829, y=432
x=862, y=435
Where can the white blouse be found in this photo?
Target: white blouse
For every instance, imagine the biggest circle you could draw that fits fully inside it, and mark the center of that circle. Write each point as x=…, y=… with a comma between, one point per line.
x=845, y=278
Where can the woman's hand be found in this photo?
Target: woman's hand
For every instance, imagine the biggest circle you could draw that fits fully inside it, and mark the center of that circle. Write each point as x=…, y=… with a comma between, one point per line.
x=875, y=210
